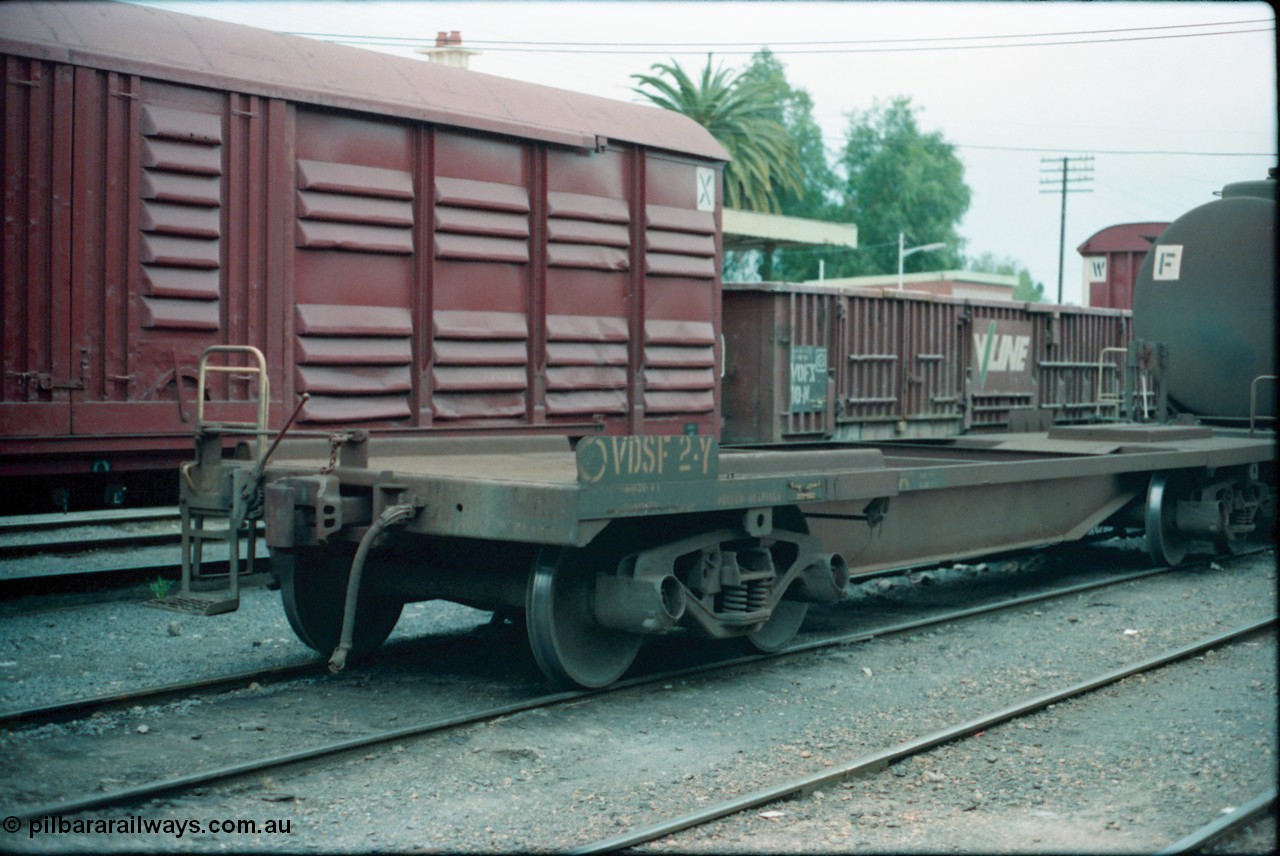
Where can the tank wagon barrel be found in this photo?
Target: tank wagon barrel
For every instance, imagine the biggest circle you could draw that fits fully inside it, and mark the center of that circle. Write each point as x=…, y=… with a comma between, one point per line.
x=1208, y=287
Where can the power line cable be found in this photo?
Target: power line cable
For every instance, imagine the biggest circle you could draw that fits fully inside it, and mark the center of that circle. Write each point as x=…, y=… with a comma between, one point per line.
x=701, y=46
x=1116, y=151
x=391, y=41
x=1078, y=149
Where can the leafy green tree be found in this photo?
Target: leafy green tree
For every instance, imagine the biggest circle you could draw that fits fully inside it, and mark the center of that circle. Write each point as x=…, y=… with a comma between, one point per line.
x=739, y=113
x=899, y=179
x=819, y=196
x=1026, y=291
x=792, y=108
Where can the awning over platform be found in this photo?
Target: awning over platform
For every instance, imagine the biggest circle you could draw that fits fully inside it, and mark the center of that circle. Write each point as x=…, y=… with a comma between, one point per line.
x=752, y=230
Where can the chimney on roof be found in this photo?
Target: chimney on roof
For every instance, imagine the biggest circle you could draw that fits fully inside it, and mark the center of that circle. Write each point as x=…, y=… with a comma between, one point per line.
x=448, y=49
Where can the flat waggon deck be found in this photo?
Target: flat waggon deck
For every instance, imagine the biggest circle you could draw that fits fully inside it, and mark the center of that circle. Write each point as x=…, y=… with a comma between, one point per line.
x=540, y=490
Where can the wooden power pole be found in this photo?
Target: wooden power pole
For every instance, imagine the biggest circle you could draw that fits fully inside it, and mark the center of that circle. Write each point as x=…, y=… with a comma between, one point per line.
x=1074, y=170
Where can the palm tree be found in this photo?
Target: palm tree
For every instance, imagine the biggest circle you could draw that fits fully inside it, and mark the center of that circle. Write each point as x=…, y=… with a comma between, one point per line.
x=742, y=115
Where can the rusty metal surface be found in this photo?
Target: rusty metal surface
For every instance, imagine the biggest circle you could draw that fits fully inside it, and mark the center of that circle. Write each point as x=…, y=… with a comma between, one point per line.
x=904, y=365
x=138, y=40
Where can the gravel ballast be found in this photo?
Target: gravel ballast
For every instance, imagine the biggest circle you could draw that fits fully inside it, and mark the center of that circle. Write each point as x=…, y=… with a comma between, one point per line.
x=1129, y=768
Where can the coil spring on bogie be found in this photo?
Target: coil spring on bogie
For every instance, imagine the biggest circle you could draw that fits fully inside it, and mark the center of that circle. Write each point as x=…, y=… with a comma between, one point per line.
x=1242, y=517
x=758, y=594
x=732, y=599
x=752, y=596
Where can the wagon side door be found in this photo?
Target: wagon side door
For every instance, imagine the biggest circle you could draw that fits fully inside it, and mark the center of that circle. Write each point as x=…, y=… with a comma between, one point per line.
x=167, y=256
x=39, y=370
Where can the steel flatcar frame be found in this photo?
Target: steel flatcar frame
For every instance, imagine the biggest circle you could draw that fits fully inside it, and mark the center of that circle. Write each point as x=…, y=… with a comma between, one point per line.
x=626, y=536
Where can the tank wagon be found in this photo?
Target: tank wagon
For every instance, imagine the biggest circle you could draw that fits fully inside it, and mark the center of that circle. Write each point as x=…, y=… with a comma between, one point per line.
x=334, y=258
x=1209, y=284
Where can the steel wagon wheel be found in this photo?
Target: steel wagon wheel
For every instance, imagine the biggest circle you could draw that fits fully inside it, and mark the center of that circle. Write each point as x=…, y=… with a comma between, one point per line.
x=313, y=589
x=1165, y=544
x=568, y=643
x=780, y=629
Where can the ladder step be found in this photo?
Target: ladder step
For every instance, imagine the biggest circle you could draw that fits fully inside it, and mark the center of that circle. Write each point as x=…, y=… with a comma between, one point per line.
x=213, y=603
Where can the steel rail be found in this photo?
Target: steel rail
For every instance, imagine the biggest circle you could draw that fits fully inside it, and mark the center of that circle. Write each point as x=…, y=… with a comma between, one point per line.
x=880, y=759
x=71, y=709
x=1242, y=815
x=77, y=708
x=111, y=516
x=207, y=777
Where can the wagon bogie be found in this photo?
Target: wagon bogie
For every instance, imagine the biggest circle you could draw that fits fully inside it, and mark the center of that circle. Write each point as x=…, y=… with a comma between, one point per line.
x=1233, y=508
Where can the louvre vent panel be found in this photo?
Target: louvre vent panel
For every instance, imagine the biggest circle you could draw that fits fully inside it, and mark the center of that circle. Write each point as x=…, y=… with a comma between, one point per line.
x=679, y=242
x=478, y=353
x=355, y=209
x=191, y=284
x=586, y=365
x=199, y=190
x=179, y=314
x=355, y=362
x=169, y=219
x=663, y=403
x=373, y=408
x=355, y=237
x=180, y=219
x=491, y=223
x=586, y=354
x=476, y=248
x=182, y=158
x=354, y=380
x=569, y=378
x=479, y=364
x=480, y=325
x=580, y=206
x=354, y=180
x=481, y=221
x=680, y=220
x=679, y=367
x=351, y=208
x=336, y=351
x=587, y=402
x=342, y=320
x=484, y=195
x=170, y=123
x=588, y=232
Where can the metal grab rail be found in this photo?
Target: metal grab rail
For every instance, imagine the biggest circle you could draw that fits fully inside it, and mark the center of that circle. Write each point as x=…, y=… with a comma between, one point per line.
x=1253, y=400
x=264, y=386
x=232, y=494
x=1109, y=399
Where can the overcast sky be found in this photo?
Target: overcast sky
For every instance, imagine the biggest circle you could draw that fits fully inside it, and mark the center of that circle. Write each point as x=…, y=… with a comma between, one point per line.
x=1151, y=90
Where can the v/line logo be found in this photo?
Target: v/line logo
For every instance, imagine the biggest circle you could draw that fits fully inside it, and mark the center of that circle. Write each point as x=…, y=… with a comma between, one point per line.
x=1000, y=352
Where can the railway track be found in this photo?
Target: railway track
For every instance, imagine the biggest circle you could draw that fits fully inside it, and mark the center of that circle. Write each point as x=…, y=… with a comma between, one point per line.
x=272, y=763
x=41, y=551
x=61, y=711
x=879, y=760
x=1224, y=826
